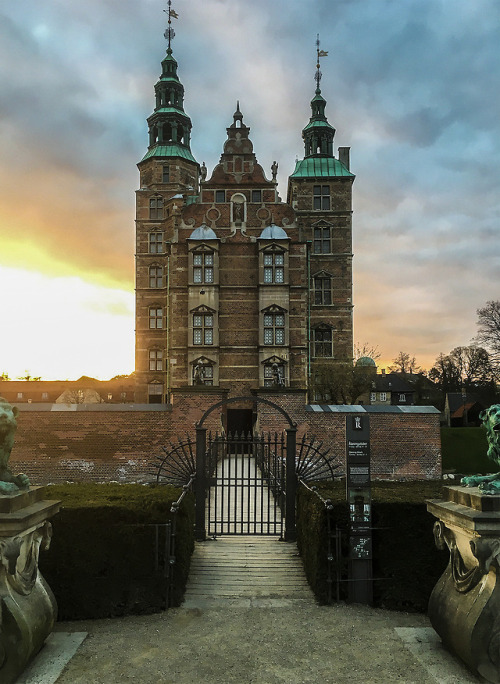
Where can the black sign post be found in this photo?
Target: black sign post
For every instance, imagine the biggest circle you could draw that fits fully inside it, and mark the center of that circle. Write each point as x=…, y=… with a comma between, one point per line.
x=358, y=491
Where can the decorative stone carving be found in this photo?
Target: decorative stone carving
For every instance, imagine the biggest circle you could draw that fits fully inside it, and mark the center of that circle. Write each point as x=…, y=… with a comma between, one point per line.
x=27, y=606
x=464, y=607
x=9, y=482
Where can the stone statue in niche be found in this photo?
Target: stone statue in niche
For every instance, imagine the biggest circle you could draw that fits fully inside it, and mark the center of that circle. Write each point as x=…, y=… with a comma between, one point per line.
x=274, y=170
x=278, y=379
x=9, y=483
x=489, y=484
x=198, y=375
x=238, y=212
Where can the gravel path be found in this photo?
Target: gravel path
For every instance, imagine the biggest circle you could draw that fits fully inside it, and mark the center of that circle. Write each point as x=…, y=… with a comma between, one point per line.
x=248, y=645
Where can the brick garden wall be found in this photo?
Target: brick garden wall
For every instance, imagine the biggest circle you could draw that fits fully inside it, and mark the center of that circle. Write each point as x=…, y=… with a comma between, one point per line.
x=105, y=442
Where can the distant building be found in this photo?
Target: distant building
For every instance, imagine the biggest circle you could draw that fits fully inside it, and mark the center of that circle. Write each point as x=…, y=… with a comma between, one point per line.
x=391, y=389
x=462, y=410
x=236, y=289
x=83, y=391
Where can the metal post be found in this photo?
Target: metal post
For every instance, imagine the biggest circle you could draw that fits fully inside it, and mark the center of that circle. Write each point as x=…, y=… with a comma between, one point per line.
x=200, y=484
x=291, y=485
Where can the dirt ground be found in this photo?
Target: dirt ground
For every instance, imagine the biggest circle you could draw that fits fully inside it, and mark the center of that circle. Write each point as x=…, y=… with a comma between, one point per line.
x=221, y=645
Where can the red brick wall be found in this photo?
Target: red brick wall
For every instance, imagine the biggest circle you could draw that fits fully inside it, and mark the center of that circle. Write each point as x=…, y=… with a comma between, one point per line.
x=101, y=445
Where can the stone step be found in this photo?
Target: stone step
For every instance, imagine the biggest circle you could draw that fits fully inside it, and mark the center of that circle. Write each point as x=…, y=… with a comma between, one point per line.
x=246, y=571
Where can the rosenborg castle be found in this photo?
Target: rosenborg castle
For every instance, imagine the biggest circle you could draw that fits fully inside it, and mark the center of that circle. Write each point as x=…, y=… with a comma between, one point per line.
x=235, y=288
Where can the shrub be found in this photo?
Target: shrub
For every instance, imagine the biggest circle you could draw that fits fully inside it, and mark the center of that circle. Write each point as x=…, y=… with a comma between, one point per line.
x=406, y=563
x=102, y=560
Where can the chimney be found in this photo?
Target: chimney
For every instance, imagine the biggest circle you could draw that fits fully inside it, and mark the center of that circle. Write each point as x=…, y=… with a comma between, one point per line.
x=344, y=156
x=382, y=370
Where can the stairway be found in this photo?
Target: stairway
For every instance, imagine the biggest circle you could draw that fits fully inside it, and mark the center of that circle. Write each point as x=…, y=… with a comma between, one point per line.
x=246, y=571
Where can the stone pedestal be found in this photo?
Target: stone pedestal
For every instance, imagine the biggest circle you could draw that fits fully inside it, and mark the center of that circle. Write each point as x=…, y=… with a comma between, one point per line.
x=464, y=607
x=27, y=606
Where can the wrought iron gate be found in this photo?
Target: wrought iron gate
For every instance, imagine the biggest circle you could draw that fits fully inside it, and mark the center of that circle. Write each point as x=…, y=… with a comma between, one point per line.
x=245, y=484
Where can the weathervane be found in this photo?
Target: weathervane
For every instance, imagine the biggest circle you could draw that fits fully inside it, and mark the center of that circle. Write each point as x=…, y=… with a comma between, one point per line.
x=169, y=32
x=320, y=53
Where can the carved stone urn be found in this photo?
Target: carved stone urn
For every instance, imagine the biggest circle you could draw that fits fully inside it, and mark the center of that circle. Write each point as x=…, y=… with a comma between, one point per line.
x=27, y=606
x=464, y=607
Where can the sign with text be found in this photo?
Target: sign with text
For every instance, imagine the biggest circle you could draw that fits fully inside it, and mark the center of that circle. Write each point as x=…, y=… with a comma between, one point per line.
x=358, y=492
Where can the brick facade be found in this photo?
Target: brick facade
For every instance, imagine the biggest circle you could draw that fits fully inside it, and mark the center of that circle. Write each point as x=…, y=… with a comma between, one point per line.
x=235, y=288
x=104, y=442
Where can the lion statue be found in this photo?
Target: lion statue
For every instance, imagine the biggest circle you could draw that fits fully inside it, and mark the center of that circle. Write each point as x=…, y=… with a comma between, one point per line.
x=489, y=484
x=9, y=483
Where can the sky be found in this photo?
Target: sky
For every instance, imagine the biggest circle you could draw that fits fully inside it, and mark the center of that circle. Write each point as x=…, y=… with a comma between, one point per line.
x=412, y=87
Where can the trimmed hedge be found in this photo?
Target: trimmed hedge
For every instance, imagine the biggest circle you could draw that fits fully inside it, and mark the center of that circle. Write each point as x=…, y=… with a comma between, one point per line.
x=464, y=451
x=406, y=562
x=101, y=562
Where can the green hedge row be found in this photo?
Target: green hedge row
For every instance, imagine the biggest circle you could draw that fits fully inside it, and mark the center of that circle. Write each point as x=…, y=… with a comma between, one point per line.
x=406, y=563
x=101, y=562
x=464, y=451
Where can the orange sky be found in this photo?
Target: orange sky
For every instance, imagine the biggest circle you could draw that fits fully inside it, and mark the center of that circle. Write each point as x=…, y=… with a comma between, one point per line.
x=424, y=147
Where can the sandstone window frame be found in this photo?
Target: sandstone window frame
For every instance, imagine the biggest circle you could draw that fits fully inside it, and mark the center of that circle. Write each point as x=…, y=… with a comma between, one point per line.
x=204, y=331
x=322, y=341
x=165, y=173
x=322, y=289
x=155, y=392
x=210, y=372
x=322, y=238
x=156, y=275
x=156, y=207
x=321, y=197
x=268, y=372
x=274, y=326
x=155, y=317
x=273, y=265
x=155, y=359
x=155, y=242
x=203, y=265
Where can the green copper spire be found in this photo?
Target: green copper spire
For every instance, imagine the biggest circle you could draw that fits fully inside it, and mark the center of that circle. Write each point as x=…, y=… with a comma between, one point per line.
x=169, y=125
x=318, y=134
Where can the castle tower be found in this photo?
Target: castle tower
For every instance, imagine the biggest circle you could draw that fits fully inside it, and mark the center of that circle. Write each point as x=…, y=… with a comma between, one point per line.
x=320, y=192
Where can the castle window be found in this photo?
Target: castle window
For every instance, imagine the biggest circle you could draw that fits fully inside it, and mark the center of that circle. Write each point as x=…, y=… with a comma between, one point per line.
x=323, y=290
x=156, y=243
x=383, y=396
x=373, y=396
x=274, y=375
x=155, y=360
x=220, y=196
x=321, y=197
x=203, y=267
x=257, y=196
x=156, y=276
x=156, y=208
x=203, y=329
x=165, y=174
x=155, y=393
x=203, y=374
x=322, y=342
x=155, y=318
x=110, y=396
x=45, y=396
x=274, y=267
x=322, y=240
x=274, y=328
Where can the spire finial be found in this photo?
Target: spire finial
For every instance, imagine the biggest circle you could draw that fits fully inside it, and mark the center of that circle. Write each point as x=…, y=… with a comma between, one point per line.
x=169, y=32
x=320, y=53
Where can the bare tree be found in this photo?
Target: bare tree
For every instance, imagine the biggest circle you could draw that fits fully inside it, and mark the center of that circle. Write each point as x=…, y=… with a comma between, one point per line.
x=489, y=331
x=404, y=363
x=366, y=349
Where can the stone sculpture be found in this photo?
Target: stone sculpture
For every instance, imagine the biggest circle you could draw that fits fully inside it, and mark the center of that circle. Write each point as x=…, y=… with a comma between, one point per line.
x=27, y=606
x=9, y=483
x=489, y=484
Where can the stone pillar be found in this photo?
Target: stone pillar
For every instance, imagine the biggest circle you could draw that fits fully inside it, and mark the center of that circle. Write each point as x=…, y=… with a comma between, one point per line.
x=464, y=607
x=27, y=606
